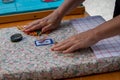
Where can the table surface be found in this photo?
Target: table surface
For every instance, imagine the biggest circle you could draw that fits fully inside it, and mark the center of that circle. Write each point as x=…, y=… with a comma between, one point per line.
x=104, y=76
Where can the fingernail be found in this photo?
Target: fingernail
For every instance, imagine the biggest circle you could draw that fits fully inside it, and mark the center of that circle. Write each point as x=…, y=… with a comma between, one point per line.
x=26, y=30
x=56, y=49
x=65, y=52
x=25, y=26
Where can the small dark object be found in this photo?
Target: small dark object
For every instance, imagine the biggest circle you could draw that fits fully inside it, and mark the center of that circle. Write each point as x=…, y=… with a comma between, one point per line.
x=7, y=1
x=16, y=37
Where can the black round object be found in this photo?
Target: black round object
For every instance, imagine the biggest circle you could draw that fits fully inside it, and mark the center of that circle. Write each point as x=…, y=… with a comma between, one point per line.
x=16, y=37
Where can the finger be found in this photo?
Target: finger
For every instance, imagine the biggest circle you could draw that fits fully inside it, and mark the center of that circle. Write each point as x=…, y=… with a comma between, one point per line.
x=35, y=27
x=71, y=49
x=36, y=23
x=46, y=28
x=32, y=24
x=44, y=23
x=63, y=47
x=38, y=26
x=60, y=44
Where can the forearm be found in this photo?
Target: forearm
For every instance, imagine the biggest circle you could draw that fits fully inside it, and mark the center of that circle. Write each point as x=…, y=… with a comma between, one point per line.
x=67, y=6
x=108, y=29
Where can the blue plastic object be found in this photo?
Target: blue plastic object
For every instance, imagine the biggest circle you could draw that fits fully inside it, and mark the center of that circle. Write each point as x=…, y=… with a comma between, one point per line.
x=23, y=6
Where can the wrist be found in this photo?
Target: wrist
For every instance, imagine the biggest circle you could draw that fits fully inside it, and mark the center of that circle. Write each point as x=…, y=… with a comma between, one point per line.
x=57, y=14
x=97, y=34
x=60, y=11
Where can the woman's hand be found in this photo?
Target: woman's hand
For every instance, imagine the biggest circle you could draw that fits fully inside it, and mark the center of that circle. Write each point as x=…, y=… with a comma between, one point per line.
x=48, y=23
x=81, y=40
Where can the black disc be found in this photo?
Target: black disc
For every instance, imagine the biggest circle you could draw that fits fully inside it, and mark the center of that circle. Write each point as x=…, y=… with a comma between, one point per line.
x=16, y=37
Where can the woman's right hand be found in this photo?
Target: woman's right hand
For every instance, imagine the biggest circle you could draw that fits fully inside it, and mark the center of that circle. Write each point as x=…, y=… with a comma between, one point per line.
x=48, y=23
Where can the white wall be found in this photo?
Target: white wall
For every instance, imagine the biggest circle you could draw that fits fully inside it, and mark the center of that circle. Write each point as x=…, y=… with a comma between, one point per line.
x=104, y=8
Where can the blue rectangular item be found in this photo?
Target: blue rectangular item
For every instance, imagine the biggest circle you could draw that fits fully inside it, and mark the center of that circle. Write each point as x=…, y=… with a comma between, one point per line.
x=43, y=43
